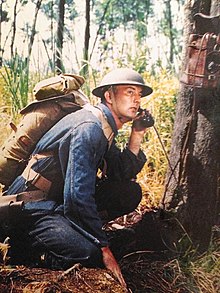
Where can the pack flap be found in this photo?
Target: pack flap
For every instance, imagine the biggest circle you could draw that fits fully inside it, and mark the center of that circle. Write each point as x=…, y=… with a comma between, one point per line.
x=77, y=97
x=58, y=85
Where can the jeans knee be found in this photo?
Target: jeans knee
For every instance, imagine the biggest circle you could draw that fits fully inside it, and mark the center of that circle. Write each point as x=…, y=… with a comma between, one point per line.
x=132, y=198
x=88, y=257
x=94, y=257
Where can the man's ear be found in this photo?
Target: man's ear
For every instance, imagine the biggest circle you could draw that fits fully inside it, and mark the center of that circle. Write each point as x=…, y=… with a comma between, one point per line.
x=107, y=96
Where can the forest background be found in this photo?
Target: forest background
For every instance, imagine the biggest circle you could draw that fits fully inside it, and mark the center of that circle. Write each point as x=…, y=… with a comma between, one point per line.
x=39, y=39
x=96, y=36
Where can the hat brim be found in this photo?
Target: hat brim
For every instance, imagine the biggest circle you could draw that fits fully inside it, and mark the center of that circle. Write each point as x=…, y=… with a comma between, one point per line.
x=99, y=91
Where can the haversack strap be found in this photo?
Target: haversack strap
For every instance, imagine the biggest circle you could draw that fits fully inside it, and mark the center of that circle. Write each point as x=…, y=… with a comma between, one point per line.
x=108, y=132
x=25, y=196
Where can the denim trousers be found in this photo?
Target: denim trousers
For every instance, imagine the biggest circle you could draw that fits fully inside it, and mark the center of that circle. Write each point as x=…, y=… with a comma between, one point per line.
x=58, y=243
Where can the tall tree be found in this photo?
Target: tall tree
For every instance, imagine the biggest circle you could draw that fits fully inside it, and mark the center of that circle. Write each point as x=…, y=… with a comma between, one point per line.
x=18, y=4
x=192, y=183
x=33, y=29
x=66, y=14
x=14, y=27
x=59, y=42
x=86, y=39
x=49, y=44
x=3, y=18
x=170, y=29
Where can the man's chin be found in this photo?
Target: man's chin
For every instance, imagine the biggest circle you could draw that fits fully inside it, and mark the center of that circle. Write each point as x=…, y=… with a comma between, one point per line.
x=129, y=119
x=125, y=119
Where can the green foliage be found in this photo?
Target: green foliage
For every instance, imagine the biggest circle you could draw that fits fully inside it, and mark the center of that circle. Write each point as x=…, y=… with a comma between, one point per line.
x=50, y=9
x=4, y=16
x=138, y=61
x=16, y=75
x=23, y=2
x=126, y=27
x=71, y=10
x=130, y=14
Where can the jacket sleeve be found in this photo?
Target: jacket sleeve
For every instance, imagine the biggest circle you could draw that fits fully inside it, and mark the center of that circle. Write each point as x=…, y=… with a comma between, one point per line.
x=123, y=165
x=86, y=146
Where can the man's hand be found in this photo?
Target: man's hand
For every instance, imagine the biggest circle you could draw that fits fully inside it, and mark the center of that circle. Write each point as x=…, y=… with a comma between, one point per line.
x=143, y=120
x=139, y=127
x=111, y=264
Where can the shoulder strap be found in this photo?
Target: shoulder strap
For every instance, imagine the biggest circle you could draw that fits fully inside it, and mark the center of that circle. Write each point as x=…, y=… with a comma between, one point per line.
x=108, y=132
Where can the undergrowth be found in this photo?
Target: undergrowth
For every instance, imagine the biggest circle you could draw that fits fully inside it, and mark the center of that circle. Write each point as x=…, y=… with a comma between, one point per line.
x=203, y=271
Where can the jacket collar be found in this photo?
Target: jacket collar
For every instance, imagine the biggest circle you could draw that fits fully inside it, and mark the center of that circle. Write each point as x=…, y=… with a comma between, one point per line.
x=109, y=116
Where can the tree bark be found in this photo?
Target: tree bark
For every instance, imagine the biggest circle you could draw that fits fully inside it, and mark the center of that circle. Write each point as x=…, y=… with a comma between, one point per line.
x=86, y=39
x=59, y=48
x=33, y=30
x=170, y=27
x=192, y=182
x=14, y=28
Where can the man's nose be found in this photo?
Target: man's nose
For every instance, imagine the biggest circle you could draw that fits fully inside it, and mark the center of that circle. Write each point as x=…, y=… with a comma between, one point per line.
x=137, y=98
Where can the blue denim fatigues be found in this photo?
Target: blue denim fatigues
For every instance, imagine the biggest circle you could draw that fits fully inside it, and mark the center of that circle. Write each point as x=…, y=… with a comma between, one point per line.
x=79, y=146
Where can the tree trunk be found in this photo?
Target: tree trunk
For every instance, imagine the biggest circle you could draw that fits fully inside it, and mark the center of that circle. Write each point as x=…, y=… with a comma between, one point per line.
x=192, y=182
x=52, y=58
x=1, y=20
x=14, y=28
x=86, y=39
x=33, y=31
x=100, y=27
x=170, y=27
x=59, y=48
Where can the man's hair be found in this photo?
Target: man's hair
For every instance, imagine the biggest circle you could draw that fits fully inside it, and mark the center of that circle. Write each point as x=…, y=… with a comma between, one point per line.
x=112, y=88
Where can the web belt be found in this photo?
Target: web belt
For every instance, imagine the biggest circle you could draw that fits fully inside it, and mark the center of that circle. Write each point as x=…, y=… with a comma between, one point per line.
x=36, y=179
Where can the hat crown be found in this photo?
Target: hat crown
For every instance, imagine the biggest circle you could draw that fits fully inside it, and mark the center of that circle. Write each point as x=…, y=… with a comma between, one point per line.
x=122, y=76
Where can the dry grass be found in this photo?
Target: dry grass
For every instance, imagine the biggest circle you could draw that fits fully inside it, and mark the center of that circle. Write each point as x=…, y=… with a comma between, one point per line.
x=148, y=272
x=162, y=106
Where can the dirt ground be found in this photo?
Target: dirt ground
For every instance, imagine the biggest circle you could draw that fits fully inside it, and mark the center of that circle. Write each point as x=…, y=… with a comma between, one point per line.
x=26, y=280
x=143, y=274
x=145, y=265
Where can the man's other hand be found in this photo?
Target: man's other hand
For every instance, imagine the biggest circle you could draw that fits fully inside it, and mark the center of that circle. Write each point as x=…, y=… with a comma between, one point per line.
x=111, y=264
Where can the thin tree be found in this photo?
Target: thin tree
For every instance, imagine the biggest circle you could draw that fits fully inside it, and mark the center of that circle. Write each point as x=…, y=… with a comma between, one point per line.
x=170, y=29
x=3, y=18
x=14, y=28
x=86, y=39
x=33, y=29
x=59, y=42
x=16, y=10
x=49, y=10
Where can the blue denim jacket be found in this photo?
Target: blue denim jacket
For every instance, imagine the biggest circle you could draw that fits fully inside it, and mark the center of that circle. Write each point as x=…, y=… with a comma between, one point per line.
x=79, y=145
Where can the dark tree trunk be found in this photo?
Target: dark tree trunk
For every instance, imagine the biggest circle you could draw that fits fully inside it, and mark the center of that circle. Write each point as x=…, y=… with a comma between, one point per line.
x=100, y=26
x=1, y=20
x=59, y=47
x=86, y=39
x=193, y=183
x=33, y=30
x=14, y=28
x=52, y=58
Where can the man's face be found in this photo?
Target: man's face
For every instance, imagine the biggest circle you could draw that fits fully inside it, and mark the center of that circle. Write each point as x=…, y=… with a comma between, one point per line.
x=126, y=101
